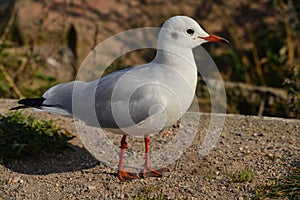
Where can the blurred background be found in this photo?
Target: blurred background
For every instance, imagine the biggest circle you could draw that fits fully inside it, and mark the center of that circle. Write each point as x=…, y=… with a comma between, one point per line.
x=43, y=42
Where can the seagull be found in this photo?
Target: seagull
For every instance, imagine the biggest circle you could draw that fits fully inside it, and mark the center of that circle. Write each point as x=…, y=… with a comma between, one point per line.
x=140, y=100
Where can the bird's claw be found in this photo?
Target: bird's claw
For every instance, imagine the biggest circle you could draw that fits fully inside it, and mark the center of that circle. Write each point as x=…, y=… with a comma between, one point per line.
x=127, y=176
x=151, y=172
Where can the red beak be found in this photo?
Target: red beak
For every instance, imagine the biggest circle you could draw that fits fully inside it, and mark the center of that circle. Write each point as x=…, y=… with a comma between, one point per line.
x=214, y=38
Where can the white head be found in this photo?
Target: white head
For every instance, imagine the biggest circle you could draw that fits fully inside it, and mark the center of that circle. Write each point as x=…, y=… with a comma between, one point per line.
x=185, y=32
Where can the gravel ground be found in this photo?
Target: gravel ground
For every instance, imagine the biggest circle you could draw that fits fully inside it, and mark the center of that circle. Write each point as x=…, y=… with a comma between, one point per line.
x=267, y=146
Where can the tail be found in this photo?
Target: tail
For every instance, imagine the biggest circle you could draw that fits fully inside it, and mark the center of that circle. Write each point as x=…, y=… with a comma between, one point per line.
x=56, y=100
x=41, y=105
x=30, y=103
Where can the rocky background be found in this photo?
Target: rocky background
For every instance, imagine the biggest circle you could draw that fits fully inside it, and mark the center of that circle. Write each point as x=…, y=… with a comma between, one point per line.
x=44, y=43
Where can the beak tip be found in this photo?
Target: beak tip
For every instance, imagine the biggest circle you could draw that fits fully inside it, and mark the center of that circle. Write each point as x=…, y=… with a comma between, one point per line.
x=225, y=41
x=214, y=38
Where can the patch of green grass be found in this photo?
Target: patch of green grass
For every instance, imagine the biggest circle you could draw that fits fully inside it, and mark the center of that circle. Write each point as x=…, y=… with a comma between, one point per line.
x=22, y=135
x=245, y=175
x=283, y=187
x=150, y=193
x=209, y=176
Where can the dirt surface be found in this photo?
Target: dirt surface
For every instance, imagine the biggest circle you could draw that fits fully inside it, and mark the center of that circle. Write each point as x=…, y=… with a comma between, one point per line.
x=269, y=147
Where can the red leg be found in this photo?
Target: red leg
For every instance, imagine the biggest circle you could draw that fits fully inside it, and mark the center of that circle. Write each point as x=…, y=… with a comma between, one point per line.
x=122, y=174
x=149, y=171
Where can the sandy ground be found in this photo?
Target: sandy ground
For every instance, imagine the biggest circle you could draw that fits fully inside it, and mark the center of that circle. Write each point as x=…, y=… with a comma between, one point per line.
x=269, y=147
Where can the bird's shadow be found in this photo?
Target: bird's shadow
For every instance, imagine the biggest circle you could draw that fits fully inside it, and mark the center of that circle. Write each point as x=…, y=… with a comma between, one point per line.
x=42, y=159
x=72, y=158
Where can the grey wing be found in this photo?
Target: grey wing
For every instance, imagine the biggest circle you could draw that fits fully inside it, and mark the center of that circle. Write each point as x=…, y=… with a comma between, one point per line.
x=124, y=99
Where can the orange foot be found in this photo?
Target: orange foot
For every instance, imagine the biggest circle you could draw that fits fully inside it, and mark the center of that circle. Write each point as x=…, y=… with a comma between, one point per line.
x=151, y=172
x=127, y=176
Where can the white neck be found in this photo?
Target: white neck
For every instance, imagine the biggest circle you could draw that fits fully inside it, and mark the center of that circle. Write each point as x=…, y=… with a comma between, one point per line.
x=179, y=59
x=175, y=56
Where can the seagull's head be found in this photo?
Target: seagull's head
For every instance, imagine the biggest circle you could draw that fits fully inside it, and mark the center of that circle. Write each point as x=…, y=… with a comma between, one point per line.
x=185, y=32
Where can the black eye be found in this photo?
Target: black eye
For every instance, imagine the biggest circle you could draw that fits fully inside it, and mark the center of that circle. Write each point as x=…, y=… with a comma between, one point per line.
x=190, y=31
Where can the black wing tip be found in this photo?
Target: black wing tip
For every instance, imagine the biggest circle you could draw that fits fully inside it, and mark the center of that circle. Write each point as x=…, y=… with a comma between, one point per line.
x=29, y=102
x=32, y=102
